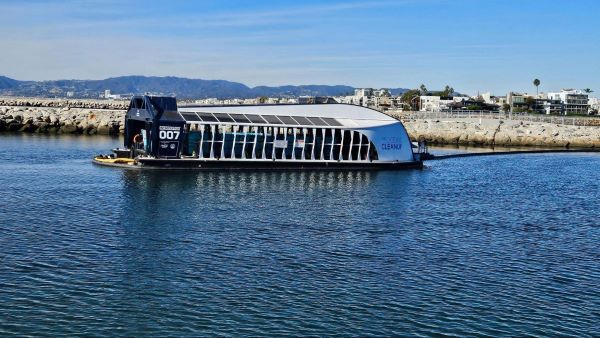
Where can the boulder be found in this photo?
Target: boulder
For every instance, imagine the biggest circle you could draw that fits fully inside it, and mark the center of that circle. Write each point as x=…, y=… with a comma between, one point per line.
x=13, y=126
x=88, y=128
x=68, y=129
x=28, y=128
x=54, y=119
x=42, y=127
x=103, y=130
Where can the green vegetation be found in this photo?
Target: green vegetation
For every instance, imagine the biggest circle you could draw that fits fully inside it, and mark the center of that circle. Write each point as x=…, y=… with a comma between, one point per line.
x=410, y=98
x=529, y=100
x=448, y=91
x=536, y=83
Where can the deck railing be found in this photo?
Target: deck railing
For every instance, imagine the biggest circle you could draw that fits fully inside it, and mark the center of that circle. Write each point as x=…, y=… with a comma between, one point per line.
x=566, y=120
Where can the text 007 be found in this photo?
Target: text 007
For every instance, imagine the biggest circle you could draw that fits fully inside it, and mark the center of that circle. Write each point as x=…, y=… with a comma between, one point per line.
x=168, y=134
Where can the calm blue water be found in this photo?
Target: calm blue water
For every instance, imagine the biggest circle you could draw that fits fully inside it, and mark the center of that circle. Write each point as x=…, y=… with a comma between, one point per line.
x=482, y=246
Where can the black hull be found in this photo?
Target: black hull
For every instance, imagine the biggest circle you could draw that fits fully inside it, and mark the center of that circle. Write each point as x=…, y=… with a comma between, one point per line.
x=262, y=165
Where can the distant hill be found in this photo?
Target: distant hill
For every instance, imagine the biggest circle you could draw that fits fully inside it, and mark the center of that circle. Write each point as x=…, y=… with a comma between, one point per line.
x=170, y=85
x=7, y=83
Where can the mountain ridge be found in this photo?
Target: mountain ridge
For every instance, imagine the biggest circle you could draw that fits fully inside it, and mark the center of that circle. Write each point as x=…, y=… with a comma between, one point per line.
x=166, y=85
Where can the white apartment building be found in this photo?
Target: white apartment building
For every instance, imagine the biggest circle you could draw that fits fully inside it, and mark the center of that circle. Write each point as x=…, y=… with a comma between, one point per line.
x=363, y=92
x=369, y=97
x=437, y=103
x=488, y=98
x=107, y=95
x=594, y=104
x=208, y=101
x=574, y=101
x=362, y=97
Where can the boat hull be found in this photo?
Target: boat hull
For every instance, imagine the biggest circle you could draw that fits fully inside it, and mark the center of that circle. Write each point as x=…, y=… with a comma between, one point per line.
x=195, y=164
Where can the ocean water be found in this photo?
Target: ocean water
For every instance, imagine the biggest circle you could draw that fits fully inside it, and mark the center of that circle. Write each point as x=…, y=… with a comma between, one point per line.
x=480, y=246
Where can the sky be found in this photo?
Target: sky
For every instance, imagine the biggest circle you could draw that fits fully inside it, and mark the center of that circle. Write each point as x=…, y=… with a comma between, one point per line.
x=472, y=45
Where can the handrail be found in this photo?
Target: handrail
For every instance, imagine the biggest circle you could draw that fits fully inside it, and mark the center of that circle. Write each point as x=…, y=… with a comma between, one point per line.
x=566, y=120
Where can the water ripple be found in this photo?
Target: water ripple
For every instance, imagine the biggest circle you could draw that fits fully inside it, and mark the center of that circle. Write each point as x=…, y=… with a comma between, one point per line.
x=504, y=246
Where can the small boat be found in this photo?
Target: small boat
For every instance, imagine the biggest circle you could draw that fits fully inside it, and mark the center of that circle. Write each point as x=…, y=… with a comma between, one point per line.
x=159, y=134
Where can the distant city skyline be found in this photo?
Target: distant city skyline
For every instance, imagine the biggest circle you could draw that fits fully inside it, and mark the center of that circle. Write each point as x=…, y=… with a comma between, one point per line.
x=473, y=46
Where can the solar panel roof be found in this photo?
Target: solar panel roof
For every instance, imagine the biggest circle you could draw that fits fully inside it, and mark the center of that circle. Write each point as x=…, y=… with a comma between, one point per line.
x=260, y=119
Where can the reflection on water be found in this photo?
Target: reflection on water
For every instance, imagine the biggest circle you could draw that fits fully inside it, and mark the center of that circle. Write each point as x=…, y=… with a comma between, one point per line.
x=504, y=246
x=460, y=149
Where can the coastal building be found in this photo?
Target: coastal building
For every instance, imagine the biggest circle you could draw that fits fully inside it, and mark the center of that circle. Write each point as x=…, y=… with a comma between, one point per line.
x=548, y=106
x=207, y=101
x=488, y=98
x=380, y=99
x=362, y=97
x=501, y=100
x=109, y=96
x=315, y=99
x=517, y=101
x=541, y=103
x=383, y=92
x=594, y=104
x=382, y=102
x=574, y=101
x=473, y=105
x=363, y=92
x=435, y=103
x=492, y=99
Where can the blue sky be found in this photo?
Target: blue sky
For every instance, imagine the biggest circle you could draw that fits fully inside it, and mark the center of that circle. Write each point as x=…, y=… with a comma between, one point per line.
x=471, y=45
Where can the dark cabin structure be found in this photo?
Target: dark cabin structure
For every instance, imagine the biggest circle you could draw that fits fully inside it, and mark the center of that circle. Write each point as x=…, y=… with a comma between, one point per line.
x=153, y=126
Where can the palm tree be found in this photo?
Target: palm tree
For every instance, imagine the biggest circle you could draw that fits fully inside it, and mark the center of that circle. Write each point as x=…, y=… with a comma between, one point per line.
x=588, y=91
x=536, y=83
x=448, y=91
x=423, y=89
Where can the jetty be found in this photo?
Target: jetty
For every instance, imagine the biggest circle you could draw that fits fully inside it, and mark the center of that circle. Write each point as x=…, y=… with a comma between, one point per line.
x=90, y=117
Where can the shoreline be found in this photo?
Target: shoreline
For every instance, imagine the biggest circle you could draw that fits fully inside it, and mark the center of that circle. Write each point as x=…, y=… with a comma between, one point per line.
x=512, y=152
x=95, y=119
x=503, y=132
x=61, y=120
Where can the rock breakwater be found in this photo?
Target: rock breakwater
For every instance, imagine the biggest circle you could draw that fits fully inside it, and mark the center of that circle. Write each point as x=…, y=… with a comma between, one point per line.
x=499, y=132
x=64, y=120
x=92, y=117
x=63, y=103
